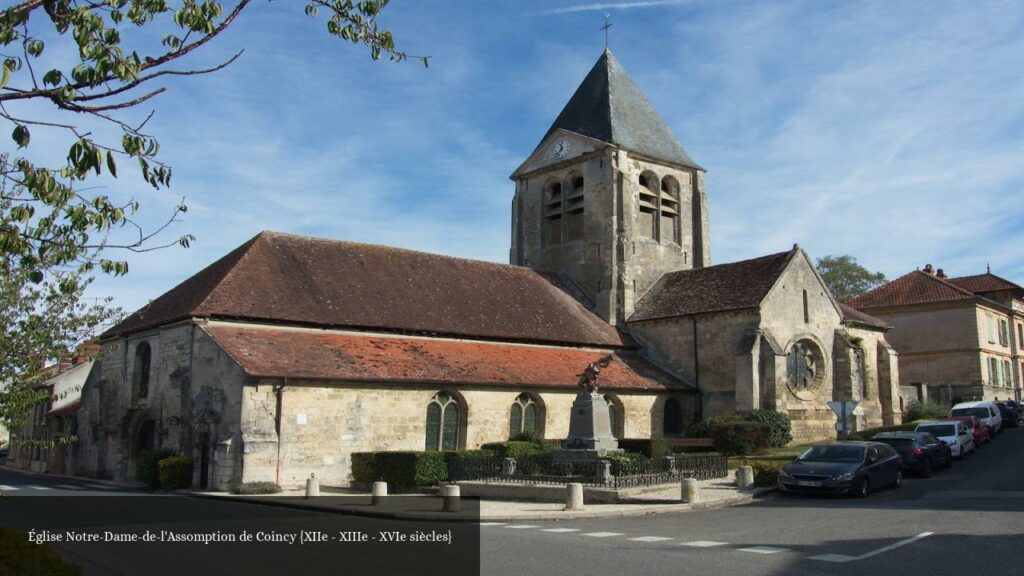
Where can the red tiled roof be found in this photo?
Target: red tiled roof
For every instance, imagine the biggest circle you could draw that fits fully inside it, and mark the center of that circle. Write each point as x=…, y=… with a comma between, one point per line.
x=288, y=279
x=982, y=283
x=856, y=316
x=914, y=288
x=297, y=353
x=732, y=286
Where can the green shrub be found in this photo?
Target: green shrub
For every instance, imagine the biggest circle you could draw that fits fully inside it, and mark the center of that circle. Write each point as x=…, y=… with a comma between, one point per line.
x=516, y=448
x=766, y=472
x=740, y=437
x=249, y=488
x=146, y=470
x=867, y=433
x=781, y=429
x=926, y=411
x=702, y=428
x=175, y=472
x=21, y=557
x=400, y=469
x=526, y=437
x=652, y=448
x=623, y=457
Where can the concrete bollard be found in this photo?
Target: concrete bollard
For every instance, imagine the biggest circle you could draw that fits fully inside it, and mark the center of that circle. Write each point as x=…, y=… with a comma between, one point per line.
x=312, y=486
x=690, y=490
x=380, y=492
x=604, y=471
x=745, y=477
x=452, y=498
x=574, y=496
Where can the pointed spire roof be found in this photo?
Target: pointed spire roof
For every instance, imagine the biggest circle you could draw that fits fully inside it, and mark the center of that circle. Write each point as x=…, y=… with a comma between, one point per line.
x=610, y=107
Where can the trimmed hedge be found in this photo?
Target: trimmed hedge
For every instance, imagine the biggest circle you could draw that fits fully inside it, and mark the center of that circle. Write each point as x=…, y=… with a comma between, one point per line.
x=740, y=437
x=652, y=448
x=175, y=472
x=766, y=472
x=702, y=428
x=517, y=448
x=400, y=469
x=867, y=433
x=250, y=488
x=146, y=471
x=21, y=557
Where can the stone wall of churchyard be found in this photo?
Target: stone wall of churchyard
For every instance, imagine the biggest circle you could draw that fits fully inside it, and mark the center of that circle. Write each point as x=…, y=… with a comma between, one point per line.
x=323, y=423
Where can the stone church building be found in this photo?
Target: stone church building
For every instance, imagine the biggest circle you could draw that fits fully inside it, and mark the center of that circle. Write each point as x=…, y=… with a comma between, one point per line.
x=290, y=353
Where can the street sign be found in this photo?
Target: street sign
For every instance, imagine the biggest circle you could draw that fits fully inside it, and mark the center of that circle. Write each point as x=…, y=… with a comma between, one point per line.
x=844, y=410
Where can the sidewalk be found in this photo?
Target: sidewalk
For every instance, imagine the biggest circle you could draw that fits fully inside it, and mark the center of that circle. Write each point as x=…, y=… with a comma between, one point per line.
x=715, y=493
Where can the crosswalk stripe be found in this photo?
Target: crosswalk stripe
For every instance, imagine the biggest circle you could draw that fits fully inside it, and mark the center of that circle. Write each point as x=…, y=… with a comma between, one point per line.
x=704, y=543
x=492, y=523
x=69, y=487
x=40, y=488
x=520, y=526
x=8, y=488
x=764, y=550
x=650, y=539
x=560, y=530
x=603, y=534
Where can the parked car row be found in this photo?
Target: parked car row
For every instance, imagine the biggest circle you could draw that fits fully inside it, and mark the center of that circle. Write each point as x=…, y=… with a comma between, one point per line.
x=857, y=468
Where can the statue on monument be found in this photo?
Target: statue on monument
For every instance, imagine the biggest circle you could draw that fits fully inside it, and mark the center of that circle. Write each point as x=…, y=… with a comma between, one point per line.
x=588, y=380
x=590, y=430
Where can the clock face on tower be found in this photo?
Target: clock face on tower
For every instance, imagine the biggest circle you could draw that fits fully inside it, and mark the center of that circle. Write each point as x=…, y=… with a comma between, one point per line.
x=561, y=149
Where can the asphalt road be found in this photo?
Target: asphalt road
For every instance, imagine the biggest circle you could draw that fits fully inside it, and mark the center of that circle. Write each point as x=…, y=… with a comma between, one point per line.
x=968, y=520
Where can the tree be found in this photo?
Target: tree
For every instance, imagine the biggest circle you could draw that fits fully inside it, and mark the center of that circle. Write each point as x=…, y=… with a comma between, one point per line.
x=847, y=279
x=55, y=231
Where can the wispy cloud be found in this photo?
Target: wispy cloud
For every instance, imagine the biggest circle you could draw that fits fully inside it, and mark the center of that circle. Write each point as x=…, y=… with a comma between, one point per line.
x=603, y=6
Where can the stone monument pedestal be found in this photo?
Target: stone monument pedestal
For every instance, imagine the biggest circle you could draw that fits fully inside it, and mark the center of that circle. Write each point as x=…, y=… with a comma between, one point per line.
x=590, y=430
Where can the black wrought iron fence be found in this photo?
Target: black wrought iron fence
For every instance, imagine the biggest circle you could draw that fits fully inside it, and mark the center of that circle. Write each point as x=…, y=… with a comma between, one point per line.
x=701, y=466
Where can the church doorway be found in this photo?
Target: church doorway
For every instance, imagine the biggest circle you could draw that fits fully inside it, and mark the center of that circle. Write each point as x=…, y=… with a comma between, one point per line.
x=672, y=423
x=204, y=461
x=145, y=436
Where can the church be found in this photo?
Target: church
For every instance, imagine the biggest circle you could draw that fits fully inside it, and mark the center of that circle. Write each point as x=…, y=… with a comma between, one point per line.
x=291, y=353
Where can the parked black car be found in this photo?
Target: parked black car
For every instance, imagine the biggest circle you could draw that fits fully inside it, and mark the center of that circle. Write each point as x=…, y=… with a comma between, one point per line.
x=853, y=468
x=920, y=451
x=1012, y=414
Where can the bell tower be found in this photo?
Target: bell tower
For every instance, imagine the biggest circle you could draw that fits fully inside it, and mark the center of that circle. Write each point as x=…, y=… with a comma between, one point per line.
x=609, y=199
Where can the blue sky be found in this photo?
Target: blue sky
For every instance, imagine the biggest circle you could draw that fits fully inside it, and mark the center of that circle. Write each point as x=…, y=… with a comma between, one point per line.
x=892, y=131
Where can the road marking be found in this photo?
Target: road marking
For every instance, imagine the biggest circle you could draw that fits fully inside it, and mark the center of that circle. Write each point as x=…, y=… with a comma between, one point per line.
x=704, y=543
x=650, y=539
x=521, y=526
x=100, y=486
x=602, y=534
x=8, y=488
x=69, y=487
x=560, y=530
x=764, y=550
x=840, y=558
x=40, y=488
x=492, y=523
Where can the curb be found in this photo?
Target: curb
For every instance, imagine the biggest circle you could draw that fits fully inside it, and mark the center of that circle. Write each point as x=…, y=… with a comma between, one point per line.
x=117, y=483
x=656, y=509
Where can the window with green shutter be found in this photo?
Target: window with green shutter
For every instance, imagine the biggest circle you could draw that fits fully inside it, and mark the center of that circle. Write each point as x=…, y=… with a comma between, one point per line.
x=443, y=423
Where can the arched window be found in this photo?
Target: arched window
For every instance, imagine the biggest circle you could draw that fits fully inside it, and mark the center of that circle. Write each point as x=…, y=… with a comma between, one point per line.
x=574, y=207
x=648, y=197
x=672, y=424
x=140, y=376
x=617, y=415
x=670, y=226
x=443, y=422
x=552, y=220
x=527, y=415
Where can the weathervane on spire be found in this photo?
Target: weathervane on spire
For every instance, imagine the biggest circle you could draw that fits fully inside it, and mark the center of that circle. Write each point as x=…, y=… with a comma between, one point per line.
x=607, y=25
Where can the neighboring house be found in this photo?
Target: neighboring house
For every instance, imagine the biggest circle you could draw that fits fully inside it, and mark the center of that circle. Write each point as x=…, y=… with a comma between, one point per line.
x=958, y=338
x=290, y=353
x=52, y=422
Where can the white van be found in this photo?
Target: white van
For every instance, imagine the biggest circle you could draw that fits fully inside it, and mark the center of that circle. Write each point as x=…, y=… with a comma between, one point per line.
x=986, y=411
